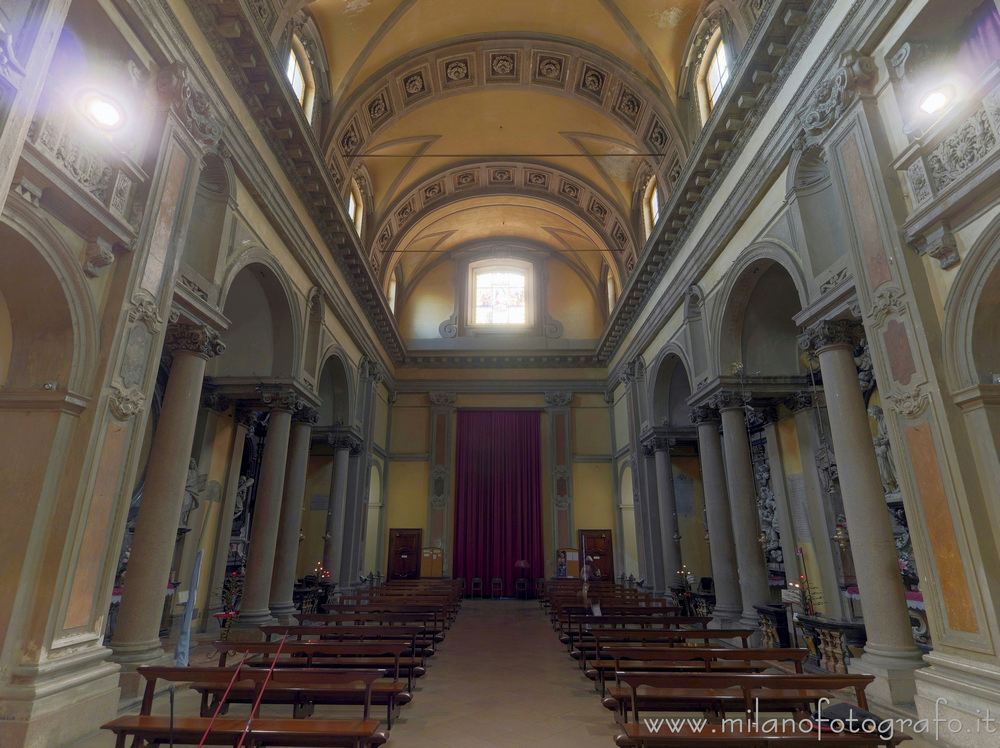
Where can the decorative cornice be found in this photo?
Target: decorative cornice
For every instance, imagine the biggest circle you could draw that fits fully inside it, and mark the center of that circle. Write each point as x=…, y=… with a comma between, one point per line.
x=558, y=399
x=443, y=399
x=827, y=334
x=704, y=414
x=199, y=339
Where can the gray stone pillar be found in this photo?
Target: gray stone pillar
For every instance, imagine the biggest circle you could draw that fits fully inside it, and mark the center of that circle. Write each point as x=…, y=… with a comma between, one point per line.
x=345, y=443
x=658, y=446
x=254, y=610
x=720, y=526
x=743, y=506
x=137, y=633
x=890, y=653
x=286, y=553
x=243, y=420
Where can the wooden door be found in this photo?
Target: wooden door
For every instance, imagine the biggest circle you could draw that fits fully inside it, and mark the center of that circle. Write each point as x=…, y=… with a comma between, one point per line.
x=404, y=554
x=597, y=545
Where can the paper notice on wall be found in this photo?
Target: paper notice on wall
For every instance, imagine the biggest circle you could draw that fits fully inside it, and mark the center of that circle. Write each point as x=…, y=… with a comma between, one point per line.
x=800, y=515
x=684, y=495
x=318, y=502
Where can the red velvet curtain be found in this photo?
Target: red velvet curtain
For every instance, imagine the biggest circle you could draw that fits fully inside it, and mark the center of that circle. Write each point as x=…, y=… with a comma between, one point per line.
x=498, y=497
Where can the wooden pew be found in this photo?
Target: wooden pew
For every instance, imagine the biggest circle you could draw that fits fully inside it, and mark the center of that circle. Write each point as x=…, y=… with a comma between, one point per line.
x=689, y=659
x=721, y=693
x=432, y=622
x=144, y=727
x=582, y=638
x=322, y=654
x=420, y=644
x=663, y=637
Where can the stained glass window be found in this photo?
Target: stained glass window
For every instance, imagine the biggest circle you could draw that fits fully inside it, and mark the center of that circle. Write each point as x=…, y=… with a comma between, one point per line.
x=500, y=297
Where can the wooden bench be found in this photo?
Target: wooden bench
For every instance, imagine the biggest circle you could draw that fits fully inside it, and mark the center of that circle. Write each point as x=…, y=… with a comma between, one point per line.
x=690, y=659
x=721, y=693
x=665, y=637
x=279, y=732
x=621, y=628
x=387, y=655
x=420, y=644
x=434, y=621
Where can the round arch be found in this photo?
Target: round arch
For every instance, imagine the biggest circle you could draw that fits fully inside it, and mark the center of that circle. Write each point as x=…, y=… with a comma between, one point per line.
x=67, y=331
x=741, y=281
x=336, y=388
x=272, y=288
x=977, y=283
x=670, y=369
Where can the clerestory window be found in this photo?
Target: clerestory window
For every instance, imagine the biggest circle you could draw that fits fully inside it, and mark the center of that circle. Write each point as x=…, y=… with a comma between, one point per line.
x=716, y=73
x=500, y=294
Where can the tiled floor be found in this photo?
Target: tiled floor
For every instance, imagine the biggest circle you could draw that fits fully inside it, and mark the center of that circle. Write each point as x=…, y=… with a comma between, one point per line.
x=500, y=679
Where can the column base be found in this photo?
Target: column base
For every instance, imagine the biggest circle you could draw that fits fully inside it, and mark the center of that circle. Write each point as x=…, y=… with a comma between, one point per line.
x=725, y=618
x=751, y=621
x=283, y=612
x=246, y=628
x=962, y=690
x=39, y=709
x=894, y=673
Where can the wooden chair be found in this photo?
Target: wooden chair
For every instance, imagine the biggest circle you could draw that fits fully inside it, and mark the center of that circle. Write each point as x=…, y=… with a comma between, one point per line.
x=521, y=585
x=477, y=586
x=496, y=587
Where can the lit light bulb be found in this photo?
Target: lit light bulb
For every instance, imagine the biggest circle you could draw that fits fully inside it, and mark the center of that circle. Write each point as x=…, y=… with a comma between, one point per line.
x=104, y=113
x=933, y=102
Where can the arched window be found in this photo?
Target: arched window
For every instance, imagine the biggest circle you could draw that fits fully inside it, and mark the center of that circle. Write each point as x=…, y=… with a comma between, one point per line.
x=651, y=205
x=716, y=70
x=612, y=291
x=300, y=76
x=391, y=294
x=356, y=206
x=500, y=293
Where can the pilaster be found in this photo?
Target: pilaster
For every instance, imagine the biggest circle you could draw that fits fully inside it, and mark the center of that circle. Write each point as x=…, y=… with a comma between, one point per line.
x=441, y=476
x=561, y=458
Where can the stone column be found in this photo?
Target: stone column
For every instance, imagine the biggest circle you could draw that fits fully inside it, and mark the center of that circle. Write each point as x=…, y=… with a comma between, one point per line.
x=658, y=445
x=286, y=553
x=254, y=610
x=244, y=419
x=801, y=404
x=345, y=443
x=743, y=506
x=137, y=633
x=720, y=525
x=890, y=653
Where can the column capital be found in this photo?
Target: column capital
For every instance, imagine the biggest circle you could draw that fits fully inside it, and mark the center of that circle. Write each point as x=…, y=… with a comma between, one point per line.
x=211, y=400
x=657, y=440
x=830, y=334
x=443, y=399
x=246, y=416
x=558, y=399
x=305, y=414
x=345, y=439
x=632, y=370
x=199, y=339
x=280, y=398
x=729, y=400
x=799, y=401
x=704, y=414
x=762, y=415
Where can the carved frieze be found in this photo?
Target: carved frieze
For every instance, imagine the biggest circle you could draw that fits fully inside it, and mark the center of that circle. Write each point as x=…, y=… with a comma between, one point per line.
x=961, y=150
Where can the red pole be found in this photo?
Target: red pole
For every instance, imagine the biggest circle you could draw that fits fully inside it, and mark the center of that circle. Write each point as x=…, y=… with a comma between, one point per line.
x=222, y=701
x=260, y=696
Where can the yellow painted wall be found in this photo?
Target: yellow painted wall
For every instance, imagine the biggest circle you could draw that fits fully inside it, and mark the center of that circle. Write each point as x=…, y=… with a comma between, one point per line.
x=430, y=302
x=593, y=496
x=592, y=430
x=621, y=419
x=6, y=339
x=571, y=302
x=406, y=505
x=381, y=435
x=695, y=552
x=411, y=427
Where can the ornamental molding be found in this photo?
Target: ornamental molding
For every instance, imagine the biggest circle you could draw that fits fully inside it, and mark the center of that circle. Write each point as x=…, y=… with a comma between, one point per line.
x=245, y=416
x=443, y=399
x=856, y=77
x=145, y=310
x=191, y=106
x=942, y=246
x=345, y=439
x=558, y=399
x=125, y=402
x=8, y=60
x=657, y=441
x=888, y=301
x=827, y=334
x=762, y=415
x=908, y=404
x=97, y=255
x=199, y=339
x=799, y=401
x=724, y=400
x=215, y=402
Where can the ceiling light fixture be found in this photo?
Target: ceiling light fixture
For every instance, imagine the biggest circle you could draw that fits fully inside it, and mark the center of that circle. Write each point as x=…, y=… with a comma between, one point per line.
x=934, y=101
x=101, y=110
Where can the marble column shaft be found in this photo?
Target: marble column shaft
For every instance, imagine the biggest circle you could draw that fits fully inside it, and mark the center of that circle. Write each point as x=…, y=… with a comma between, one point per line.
x=669, y=532
x=137, y=637
x=887, y=621
x=743, y=510
x=333, y=540
x=720, y=527
x=254, y=610
x=286, y=553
